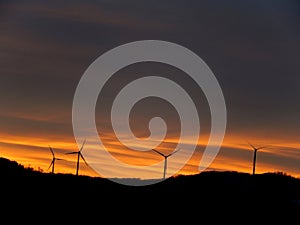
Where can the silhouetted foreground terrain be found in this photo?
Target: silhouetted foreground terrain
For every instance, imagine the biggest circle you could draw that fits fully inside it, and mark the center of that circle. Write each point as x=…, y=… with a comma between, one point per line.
x=230, y=192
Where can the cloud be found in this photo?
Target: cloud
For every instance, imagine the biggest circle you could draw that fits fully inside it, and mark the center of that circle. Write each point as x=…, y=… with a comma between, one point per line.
x=252, y=48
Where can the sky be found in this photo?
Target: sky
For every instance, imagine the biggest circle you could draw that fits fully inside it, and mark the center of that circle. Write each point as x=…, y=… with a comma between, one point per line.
x=252, y=47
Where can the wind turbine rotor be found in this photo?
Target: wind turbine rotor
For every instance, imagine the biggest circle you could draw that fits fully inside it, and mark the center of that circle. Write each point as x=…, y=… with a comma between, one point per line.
x=52, y=162
x=172, y=153
x=83, y=159
x=159, y=152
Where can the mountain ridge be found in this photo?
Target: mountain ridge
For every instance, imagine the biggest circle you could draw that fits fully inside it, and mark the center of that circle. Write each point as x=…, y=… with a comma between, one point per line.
x=226, y=190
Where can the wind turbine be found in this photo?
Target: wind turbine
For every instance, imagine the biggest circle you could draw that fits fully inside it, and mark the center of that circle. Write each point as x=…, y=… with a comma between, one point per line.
x=79, y=155
x=255, y=149
x=53, y=160
x=166, y=158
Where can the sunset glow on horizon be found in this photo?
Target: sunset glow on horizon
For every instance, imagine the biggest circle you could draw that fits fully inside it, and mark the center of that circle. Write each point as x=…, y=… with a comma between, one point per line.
x=234, y=155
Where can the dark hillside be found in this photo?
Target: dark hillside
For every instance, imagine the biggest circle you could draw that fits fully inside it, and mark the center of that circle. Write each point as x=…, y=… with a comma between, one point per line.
x=208, y=191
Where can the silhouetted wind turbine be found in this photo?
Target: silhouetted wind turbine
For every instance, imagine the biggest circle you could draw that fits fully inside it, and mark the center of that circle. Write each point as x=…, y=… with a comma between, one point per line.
x=53, y=160
x=255, y=149
x=166, y=158
x=79, y=155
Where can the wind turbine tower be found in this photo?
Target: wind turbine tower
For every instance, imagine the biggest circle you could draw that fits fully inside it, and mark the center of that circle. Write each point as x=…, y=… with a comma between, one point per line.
x=165, y=160
x=79, y=155
x=53, y=160
x=255, y=149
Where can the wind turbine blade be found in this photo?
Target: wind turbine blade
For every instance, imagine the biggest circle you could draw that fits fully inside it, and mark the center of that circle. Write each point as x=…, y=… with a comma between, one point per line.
x=58, y=159
x=50, y=164
x=82, y=145
x=172, y=153
x=251, y=145
x=261, y=147
x=68, y=153
x=84, y=159
x=158, y=152
x=51, y=151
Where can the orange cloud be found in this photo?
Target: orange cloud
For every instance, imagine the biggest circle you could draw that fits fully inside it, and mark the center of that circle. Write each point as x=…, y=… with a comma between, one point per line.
x=233, y=157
